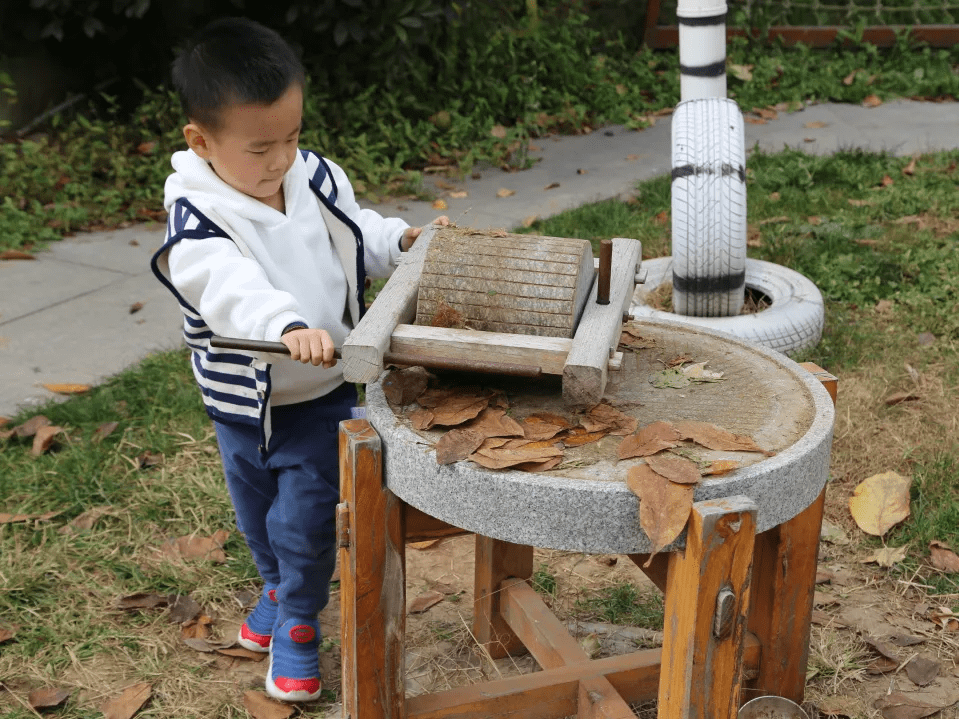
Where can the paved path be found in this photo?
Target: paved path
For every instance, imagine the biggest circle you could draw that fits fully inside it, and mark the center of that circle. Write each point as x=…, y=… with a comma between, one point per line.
x=65, y=318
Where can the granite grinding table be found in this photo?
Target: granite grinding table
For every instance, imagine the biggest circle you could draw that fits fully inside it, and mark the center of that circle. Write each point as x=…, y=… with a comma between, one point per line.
x=738, y=583
x=588, y=508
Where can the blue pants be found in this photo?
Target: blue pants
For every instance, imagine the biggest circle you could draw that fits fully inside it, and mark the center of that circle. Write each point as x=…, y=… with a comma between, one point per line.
x=285, y=499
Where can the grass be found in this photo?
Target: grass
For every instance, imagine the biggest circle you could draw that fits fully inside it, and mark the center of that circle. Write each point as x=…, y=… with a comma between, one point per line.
x=883, y=254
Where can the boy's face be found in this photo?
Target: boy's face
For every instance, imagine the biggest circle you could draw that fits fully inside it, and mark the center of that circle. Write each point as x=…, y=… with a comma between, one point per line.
x=254, y=145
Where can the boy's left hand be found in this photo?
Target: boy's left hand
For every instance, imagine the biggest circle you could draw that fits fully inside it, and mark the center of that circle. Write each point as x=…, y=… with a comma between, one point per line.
x=411, y=233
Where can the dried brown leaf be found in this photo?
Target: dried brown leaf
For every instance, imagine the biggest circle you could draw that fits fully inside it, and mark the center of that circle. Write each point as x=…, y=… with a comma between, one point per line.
x=425, y=601
x=201, y=645
x=128, y=703
x=815, y=124
x=183, y=609
x=261, y=706
x=85, y=520
x=43, y=439
x=880, y=502
x=6, y=634
x=241, y=653
x=712, y=437
x=901, y=706
x=578, y=436
x=922, y=670
x=494, y=422
x=537, y=429
x=503, y=192
x=14, y=518
x=149, y=459
x=882, y=647
x=603, y=417
x=30, y=427
x=503, y=457
x=135, y=307
x=900, y=397
x=403, y=386
x=720, y=467
x=104, y=431
x=632, y=338
x=886, y=556
x=942, y=557
x=198, y=628
x=648, y=440
x=910, y=169
x=48, y=698
x=539, y=466
x=871, y=101
x=67, y=388
x=421, y=418
x=905, y=640
x=143, y=600
x=675, y=469
x=440, y=205
x=458, y=444
x=196, y=547
x=664, y=506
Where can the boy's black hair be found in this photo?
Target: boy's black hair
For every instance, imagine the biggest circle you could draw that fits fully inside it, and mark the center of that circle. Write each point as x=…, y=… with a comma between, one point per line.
x=233, y=60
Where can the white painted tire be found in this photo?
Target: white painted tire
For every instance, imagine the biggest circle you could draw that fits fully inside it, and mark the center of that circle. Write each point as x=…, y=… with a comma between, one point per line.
x=708, y=208
x=793, y=321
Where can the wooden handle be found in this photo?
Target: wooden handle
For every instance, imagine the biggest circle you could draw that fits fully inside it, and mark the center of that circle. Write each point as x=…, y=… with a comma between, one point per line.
x=234, y=343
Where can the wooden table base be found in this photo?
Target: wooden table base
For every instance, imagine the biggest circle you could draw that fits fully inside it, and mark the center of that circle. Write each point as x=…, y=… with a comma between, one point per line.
x=737, y=607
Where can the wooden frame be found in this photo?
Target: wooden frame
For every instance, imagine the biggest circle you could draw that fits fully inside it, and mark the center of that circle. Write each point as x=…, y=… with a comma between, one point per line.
x=737, y=604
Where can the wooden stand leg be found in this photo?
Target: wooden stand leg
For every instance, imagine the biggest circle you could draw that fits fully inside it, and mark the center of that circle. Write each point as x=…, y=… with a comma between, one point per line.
x=495, y=561
x=707, y=598
x=372, y=587
x=784, y=581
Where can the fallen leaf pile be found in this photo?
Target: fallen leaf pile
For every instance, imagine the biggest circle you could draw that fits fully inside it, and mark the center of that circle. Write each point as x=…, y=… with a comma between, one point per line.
x=483, y=431
x=665, y=483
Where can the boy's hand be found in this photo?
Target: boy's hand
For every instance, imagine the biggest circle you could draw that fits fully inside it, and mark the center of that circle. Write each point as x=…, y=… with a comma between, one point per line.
x=310, y=346
x=411, y=233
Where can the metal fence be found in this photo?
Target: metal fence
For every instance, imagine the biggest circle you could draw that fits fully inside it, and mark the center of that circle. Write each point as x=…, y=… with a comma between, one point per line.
x=818, y=24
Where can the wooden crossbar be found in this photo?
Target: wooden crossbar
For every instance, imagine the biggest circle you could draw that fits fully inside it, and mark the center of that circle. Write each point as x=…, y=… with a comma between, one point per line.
x=553, y=647
x=554, y=692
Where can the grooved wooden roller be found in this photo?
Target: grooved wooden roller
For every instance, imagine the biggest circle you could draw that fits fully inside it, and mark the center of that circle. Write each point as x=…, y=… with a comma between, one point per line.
x=517, y=284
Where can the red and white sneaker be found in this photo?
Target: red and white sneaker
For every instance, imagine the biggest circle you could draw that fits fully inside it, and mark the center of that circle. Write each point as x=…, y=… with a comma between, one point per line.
x=257, y=631
x=294, y=671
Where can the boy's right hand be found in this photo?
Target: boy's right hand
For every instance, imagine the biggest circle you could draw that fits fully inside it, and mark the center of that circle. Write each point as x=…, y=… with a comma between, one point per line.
x=310, y=346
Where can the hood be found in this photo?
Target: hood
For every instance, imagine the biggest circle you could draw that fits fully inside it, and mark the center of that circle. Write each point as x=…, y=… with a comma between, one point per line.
x=195, y=179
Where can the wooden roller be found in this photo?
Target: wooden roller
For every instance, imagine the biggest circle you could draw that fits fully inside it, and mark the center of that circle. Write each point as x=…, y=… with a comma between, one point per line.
x=516, y=284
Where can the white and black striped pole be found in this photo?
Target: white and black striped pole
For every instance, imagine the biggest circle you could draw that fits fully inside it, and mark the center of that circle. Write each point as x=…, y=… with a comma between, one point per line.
x=702, y=48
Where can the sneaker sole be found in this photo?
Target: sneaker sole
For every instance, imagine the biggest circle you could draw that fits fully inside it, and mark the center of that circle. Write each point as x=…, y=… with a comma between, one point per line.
x=251, y=645
x=298, y=696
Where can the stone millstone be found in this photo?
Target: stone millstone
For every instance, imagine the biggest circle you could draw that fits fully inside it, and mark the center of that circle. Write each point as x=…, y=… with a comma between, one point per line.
x=518, y=284
x=585, y=505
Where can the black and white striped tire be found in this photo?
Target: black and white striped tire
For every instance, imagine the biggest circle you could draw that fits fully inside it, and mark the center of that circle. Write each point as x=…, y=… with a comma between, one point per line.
x=793, y=321
x=708, y=208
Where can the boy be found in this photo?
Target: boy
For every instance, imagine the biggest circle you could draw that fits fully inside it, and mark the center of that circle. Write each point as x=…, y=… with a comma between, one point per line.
x=266, y=241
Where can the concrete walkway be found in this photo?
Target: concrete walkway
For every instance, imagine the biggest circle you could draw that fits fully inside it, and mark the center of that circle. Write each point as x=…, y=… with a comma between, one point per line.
x=66, y=317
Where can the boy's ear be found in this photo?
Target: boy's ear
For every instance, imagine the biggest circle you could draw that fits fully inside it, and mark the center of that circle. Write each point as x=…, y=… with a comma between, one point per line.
x=196, y=138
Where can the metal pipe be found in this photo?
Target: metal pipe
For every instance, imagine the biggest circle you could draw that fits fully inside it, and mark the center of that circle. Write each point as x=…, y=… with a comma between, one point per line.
x=459, y=365
x=702, y=48
x=605, y=272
